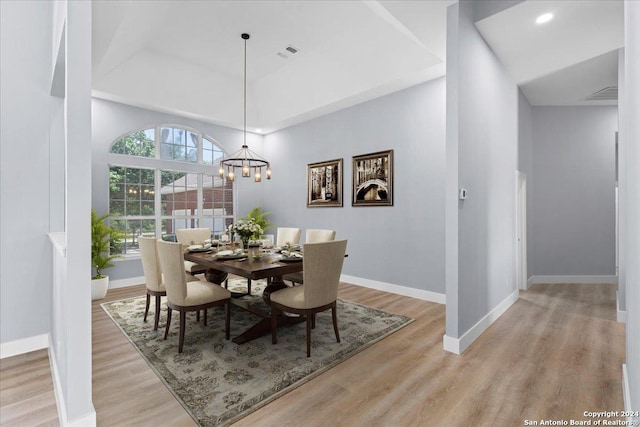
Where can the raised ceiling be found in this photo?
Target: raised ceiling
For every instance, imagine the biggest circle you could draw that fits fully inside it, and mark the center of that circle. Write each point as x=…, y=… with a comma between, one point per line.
x=186, y=57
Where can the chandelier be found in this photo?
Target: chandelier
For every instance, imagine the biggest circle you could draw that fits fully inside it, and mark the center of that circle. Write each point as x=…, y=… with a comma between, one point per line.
x=244, y=159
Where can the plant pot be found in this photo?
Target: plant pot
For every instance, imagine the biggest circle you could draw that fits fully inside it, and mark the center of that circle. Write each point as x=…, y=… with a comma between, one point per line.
x=99, y=288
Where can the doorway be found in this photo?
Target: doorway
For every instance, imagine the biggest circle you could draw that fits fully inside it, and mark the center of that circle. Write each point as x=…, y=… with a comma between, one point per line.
x=521, y=230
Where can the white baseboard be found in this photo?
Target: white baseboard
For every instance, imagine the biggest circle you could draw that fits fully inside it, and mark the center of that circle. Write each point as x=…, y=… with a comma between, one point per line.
x=458, y=345
x=621, y=314
x=530, y=282
x=626, y=393
x=573, y=279
x=24, y=345
x=88, y=420
x=124, y=283
x=395, y=289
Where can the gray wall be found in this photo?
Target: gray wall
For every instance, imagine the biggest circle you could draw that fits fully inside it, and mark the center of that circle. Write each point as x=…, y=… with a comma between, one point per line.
x=25, y=252
x=112, y=120
x=525, y=165
x=574, y=194
x=482, y=116
x=402, y=244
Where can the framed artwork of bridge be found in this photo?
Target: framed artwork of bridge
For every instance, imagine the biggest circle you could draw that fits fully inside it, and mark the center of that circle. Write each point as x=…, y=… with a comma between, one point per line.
x=324, y=184
x=373, y=179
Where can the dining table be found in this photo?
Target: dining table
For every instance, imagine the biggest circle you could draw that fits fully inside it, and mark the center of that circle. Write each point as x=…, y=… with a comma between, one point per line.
x=253, y=266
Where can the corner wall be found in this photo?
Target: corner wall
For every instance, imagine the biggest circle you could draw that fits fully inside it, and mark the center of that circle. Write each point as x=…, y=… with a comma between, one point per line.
x=482, y=128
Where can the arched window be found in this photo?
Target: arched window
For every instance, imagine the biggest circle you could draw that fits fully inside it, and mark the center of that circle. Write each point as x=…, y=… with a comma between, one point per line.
x=162, y=179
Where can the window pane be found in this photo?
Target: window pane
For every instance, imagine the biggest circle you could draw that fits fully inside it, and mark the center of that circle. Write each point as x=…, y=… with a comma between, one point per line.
x=139, y=143
x=132, y=229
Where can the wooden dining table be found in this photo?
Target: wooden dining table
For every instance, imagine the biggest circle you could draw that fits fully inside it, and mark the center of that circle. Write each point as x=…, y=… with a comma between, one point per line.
x=268, y=266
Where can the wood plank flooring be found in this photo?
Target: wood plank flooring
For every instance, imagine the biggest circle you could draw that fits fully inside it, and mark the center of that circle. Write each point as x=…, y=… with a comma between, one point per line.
x=556, y=353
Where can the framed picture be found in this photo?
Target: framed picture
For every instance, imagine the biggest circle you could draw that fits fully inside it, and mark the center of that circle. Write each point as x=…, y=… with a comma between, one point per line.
x=373, y=179
x=324, y=184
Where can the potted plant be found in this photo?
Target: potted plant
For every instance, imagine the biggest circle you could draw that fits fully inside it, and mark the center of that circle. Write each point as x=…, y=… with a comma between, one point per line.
x=101, y=238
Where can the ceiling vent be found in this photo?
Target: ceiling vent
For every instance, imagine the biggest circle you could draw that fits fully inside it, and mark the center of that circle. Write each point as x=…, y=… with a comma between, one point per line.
x=289, y=50
x=609, y=93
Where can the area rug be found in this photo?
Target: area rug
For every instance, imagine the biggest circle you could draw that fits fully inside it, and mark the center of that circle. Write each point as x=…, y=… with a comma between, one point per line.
x=218, y=381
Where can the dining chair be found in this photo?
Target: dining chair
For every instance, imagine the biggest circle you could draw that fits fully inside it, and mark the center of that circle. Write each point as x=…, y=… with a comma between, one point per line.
x=322, y=268
x=153, y=276
x=186, y=296
x=285, y=234
x=311, y=236
x=193, y=236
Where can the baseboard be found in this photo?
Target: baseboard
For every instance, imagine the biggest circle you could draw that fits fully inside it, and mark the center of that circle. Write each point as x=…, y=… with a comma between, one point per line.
x=573, y=279
x=458, y=345
x=88, y=420
x=124, y=283
x=621, y=314
x=530, y=282
x=395, y=289
x=626, y=393
x=24, y=345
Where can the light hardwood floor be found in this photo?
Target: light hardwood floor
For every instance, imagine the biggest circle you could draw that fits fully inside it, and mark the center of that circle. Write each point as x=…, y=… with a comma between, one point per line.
x=556, y=353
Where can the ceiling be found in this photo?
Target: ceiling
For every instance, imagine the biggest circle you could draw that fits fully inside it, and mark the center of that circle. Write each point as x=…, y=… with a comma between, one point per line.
x=186, y=57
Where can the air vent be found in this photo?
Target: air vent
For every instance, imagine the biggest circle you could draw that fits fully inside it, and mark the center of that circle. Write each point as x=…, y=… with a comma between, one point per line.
x=289, y=50
x=609, y=93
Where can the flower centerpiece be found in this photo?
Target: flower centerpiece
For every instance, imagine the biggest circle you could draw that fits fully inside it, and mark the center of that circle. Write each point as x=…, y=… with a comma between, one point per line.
x=246, y=229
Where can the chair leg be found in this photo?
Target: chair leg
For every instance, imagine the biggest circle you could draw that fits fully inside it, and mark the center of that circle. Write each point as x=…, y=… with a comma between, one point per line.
x=248, y=286
x=198, y=316
x=205, y=317
x=274, y=325
x=183, y=318
x=309, y=335
x=166, y=329
x=146, y=309
x=334, y=314
x=313, y=321
x=227, y=320
x=157, y=314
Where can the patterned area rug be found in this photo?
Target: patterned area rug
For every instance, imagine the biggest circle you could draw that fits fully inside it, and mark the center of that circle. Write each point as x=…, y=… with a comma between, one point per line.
x=218, y=381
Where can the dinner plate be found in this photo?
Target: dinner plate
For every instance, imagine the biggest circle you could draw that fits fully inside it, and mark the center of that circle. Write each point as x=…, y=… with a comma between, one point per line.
x=199, y=250
x=230, y=257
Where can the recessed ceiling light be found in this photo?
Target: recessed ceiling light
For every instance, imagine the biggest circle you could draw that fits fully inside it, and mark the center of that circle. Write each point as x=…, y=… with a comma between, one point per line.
x=544, y=18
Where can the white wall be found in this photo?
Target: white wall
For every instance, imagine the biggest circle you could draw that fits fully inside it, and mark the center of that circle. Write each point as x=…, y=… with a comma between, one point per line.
x=525, y=165
x=401, y=244
x=25, y=253
x=482, y=116
x=574, y=194
x=632, y=113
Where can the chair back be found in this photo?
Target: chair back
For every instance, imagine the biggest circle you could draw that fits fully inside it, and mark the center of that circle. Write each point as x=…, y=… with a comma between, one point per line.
x=291, y=235
x=315, y=236
x=150, y=264
x=322, y=266
x=172, y=267
x=192, y=236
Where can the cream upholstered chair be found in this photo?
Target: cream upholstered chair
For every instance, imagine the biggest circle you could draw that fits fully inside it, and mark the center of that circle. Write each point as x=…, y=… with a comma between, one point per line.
x=322, y=267
x=193, y=236
x=186, y=296
x=291, y=235
x=153, y=275
x=311, y=236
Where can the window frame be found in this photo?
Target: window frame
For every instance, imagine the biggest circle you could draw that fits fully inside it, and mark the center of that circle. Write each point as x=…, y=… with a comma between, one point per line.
x=157, y=164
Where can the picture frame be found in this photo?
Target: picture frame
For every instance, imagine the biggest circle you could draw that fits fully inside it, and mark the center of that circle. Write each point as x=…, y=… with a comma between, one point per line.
x=324, y=184
x=373, y=179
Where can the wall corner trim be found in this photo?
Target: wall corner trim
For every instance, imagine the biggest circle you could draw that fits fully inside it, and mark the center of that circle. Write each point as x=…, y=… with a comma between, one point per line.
x=24, y=345
x=574, y=279
x=626, y=393
x=621, y=314
x=458, y=345
x=395, y=289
